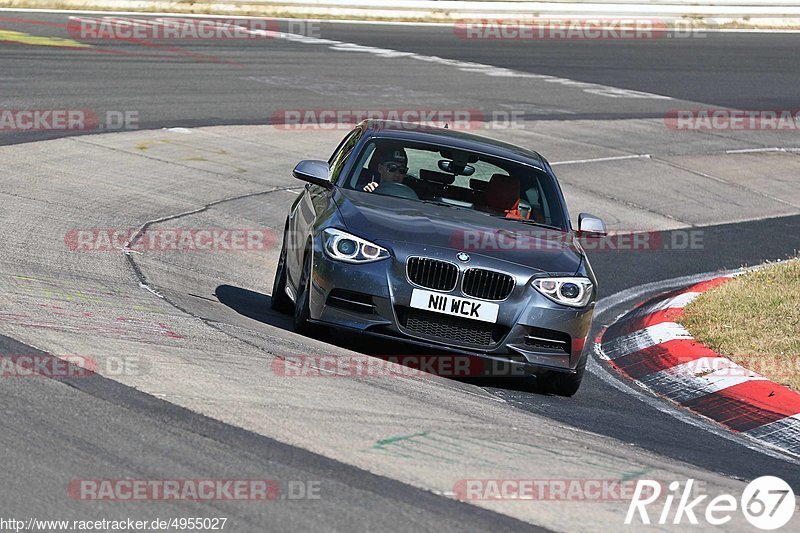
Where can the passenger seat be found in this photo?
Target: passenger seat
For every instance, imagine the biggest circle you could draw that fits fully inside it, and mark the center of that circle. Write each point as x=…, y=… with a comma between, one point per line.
x=502, y=196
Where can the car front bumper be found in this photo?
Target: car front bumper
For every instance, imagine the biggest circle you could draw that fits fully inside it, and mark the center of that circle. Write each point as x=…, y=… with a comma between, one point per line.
x=374, y=298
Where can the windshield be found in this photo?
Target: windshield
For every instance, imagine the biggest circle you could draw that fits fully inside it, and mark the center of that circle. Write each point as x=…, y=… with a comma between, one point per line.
x=466, y=180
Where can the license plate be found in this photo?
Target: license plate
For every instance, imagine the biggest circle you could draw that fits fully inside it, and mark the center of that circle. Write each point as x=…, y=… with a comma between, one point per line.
x=454, y=306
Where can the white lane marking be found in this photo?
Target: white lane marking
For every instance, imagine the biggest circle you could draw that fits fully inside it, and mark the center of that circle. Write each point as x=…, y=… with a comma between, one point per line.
x=698, y=377
x=132, y=22
x=601, y=159
x=677, y=302
x=151, y=289
x=464, y=66
x=644, y=338
x=760, y=150
x=783, y=433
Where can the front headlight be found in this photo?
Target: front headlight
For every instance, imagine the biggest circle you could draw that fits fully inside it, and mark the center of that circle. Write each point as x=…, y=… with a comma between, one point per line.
x=574, y=292
x=342, y=246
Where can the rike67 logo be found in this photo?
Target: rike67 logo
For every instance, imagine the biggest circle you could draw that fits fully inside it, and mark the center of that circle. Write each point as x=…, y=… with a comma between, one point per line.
x=767, y=503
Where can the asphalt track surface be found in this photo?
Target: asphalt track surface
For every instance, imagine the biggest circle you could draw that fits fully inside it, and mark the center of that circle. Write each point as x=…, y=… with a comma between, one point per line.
x=173, y=89
x=740, y=70
x=217, y=82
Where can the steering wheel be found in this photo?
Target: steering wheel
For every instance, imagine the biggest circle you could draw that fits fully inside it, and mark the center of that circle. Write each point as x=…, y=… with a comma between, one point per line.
x=398, y=190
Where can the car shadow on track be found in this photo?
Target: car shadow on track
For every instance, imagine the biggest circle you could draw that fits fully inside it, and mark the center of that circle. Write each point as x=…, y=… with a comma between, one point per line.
x=256, y=305
x=413, y=356
x=253, y=305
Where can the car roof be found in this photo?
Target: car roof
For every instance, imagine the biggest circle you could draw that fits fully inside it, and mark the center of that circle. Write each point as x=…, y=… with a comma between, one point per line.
x=407, y=131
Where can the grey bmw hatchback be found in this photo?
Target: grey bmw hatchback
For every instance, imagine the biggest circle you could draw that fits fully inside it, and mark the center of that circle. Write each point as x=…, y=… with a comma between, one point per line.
x=445, y=240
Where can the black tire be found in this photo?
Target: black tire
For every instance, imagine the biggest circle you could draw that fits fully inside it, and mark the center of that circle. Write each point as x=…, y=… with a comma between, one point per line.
x=562, y=383
x=301, y=310
x=280, y=301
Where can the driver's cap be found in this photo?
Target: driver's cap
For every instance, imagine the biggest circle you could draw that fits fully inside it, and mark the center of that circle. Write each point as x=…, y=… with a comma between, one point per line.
x=395, y=156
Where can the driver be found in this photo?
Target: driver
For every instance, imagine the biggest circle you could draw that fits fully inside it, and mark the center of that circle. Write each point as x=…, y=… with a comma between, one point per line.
x=392, y=168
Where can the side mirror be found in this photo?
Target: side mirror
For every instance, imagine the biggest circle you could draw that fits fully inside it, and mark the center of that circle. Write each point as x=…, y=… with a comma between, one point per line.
x=591, y=226
x=315, y=172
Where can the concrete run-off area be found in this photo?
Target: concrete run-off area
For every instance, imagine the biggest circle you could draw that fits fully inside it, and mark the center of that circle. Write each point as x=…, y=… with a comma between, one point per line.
x=198, y=324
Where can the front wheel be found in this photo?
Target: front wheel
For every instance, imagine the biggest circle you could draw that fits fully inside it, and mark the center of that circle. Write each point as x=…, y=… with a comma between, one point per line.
x=301, y=304
x=562, y=383
x=279, y=300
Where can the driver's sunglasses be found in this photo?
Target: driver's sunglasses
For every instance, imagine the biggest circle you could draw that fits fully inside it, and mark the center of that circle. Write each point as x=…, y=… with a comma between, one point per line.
x=394, y=167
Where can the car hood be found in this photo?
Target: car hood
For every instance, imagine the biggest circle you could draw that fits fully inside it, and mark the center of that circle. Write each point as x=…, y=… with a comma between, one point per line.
x=386, y=220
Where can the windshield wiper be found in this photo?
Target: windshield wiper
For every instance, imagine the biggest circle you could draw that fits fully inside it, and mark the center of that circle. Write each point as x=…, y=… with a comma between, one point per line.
x=437, y=202
x=531, y=222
